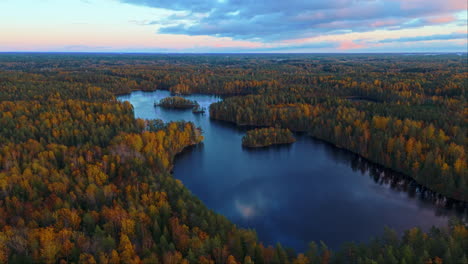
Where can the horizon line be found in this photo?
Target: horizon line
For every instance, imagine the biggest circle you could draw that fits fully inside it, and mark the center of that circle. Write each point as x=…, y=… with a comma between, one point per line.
x=220, y=53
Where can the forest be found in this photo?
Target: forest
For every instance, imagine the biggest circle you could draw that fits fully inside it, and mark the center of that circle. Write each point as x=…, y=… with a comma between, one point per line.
x=83, y=181
x=263, y=137
x=176, y=102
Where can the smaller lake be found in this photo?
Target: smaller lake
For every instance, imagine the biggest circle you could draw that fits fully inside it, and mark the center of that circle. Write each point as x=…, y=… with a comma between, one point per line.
x=297, y=193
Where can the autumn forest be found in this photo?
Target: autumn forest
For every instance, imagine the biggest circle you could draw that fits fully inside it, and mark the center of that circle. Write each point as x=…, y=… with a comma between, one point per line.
x=84, y=181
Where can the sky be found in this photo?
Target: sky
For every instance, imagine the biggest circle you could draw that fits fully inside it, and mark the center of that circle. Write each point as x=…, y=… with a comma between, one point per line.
x=225, y=26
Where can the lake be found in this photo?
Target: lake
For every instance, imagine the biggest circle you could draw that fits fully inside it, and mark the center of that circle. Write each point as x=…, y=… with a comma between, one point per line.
x=293, y=194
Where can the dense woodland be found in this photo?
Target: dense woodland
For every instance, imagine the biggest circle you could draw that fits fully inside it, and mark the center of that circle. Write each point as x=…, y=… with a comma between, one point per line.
x=263, y=137
x=177, y=102
x=83, y=181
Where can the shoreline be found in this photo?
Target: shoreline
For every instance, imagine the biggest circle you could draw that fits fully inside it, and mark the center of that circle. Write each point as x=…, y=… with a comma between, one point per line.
x=435, y=193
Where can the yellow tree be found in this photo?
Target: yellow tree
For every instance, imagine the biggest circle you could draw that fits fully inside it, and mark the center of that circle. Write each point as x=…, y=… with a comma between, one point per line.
x=49, y=245
x=301, y=259
x=126, y=249
x=231, y=260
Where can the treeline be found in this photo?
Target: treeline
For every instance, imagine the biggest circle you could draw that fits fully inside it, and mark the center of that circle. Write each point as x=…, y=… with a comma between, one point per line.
x=414, y=247
x=263, y=137
x=432, y=154
x=389, y=78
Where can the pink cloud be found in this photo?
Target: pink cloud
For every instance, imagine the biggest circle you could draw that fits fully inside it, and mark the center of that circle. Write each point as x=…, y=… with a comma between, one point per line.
x=462, y=31
x=385, y=23
x=446, y=5
x=349, y=44
x=296, y=41
x=457, y=4
x=441, y=19
x=236, y=44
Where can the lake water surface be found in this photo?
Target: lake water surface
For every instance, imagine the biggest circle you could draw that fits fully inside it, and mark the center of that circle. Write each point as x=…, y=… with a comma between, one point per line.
x=297, y=193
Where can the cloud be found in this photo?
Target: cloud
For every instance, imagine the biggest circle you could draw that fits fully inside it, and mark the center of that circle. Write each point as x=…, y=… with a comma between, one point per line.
x=266, y=20
x=84, y=47
x=246, y=211
x=441, y=19
x=348, y=45
x=451, y=36
x=432, y=47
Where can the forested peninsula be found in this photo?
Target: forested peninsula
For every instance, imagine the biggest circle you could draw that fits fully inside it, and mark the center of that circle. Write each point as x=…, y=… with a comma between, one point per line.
x=263, y=137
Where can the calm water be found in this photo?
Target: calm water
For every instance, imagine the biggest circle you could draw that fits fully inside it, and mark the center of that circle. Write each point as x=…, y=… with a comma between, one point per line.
x=293, y=194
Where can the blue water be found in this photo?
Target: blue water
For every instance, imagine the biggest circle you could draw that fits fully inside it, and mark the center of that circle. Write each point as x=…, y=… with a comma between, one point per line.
x=293, y=194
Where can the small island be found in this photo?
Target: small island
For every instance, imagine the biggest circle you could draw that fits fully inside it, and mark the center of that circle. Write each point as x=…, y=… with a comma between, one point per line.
x=177, y=102
x=198, y=110
x=264, y=137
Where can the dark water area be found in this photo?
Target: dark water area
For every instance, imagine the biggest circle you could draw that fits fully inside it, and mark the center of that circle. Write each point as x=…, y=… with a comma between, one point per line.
x=298, y=193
